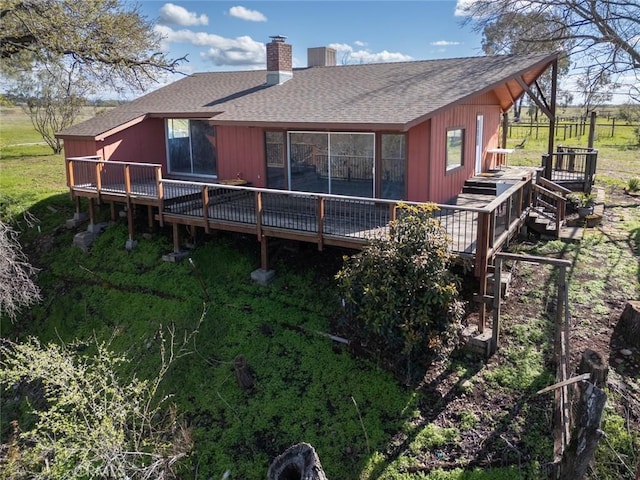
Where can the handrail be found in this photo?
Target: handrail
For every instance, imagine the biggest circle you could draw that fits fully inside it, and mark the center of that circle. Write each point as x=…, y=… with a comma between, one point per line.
x=488, y=224
x=553, y=186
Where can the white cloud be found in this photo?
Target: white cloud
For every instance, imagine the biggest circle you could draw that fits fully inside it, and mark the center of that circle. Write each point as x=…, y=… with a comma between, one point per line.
x=461, y=6
x=359, y=43
x=444, y=43
x=246, y=14
x=351, y=56
x=171, y=14
x=220, y=50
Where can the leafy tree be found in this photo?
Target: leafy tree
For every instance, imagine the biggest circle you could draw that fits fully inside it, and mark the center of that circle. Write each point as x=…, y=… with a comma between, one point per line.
x=507, y=35
x=17, y=288
x=108, y=40
x=400, y=292
x=85, y=422
x=601, y=34
x=61, y=50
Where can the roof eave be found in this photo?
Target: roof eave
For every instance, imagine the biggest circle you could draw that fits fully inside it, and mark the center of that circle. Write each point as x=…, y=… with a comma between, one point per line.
x=348, y=126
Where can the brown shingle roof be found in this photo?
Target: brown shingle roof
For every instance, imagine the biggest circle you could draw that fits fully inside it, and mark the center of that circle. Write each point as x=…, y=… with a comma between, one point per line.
x=391, y=94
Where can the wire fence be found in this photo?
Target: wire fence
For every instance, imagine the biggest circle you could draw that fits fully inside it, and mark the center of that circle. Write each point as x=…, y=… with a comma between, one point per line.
x=573, y=129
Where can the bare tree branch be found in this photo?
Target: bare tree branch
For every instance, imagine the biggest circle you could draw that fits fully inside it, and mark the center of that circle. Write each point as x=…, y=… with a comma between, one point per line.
x=17, y=288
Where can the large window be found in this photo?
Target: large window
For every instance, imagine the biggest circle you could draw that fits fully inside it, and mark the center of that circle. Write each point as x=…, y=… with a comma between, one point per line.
x=338, y=163
x=455, y=148
x=192, y=147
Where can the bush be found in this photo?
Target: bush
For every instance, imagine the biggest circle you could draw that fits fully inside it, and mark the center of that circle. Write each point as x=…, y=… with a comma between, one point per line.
x=399, y=293
x=82, y=420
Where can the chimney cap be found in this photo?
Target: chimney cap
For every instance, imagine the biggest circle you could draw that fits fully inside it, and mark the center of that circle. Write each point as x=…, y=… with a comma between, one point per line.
x=278, y=38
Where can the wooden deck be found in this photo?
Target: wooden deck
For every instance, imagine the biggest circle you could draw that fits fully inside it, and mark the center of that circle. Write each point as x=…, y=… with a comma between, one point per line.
x=478, y=226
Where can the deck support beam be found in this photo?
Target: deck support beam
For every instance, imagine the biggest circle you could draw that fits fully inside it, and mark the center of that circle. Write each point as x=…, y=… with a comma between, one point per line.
x=92, y=211
x=131, y=243
x=176, y=238
x=264, y=253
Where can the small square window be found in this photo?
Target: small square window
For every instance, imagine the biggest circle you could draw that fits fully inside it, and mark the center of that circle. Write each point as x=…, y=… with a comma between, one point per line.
x=455, y=148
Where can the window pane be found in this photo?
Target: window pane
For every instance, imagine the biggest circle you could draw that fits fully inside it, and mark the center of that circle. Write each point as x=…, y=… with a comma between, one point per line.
x=393, y=164
x=455, y=147
x=203, y=147
x=274, y=149
x=352, y=164
x=308, y=162
x=178, y=143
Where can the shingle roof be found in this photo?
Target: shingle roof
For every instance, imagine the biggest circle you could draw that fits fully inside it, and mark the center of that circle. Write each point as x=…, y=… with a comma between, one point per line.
x=393, y=94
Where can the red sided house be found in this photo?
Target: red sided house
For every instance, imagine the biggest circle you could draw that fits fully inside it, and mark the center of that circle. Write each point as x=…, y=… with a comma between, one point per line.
x=320, y=154
x=413, y=130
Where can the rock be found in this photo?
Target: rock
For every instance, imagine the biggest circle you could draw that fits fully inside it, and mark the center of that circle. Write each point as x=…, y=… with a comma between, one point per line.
x=626, y=352
x=629, y=324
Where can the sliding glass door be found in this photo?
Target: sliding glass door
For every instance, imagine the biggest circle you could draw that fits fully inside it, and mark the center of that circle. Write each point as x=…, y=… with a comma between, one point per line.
x=337, y=163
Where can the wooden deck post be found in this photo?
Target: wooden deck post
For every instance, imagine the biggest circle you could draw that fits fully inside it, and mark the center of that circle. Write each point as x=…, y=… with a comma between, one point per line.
x=320, y=209
x=497, y=300
x=264, y=253
x=259, y=217
x=70, y=179
x=99, y=177
x=482, y=263
x=130, y=218
x=150, y=216
x=92, y=213
x=112, y=211
x=205, y=208
x=176, y=238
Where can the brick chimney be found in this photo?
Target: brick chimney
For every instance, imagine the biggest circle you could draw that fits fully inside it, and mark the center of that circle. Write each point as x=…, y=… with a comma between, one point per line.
x=279, y=59
x=321, y=57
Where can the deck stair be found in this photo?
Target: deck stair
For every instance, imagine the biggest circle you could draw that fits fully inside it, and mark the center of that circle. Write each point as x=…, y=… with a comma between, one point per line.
x=548, y=209
x=542, y=222
x=479, y=186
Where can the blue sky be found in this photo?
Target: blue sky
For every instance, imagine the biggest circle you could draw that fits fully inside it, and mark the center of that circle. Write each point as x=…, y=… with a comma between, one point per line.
x=220, y=35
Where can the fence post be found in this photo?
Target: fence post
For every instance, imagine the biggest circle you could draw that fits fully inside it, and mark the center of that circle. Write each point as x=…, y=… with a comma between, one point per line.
x=592, y=129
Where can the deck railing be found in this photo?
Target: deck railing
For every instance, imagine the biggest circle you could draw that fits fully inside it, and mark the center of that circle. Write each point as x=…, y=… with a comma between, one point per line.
x=573, y=165
x=113, y=177
x=322, y=218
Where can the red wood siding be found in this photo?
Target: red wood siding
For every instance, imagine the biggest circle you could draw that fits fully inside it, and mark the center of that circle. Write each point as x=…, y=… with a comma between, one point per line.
x=444, y=185
x=418, y=147
x=241, y=154
x=144, y=143
x=79, y=148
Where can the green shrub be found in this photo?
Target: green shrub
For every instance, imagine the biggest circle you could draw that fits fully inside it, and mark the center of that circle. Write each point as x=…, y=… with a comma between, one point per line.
x=634, y=184
x=400, y=295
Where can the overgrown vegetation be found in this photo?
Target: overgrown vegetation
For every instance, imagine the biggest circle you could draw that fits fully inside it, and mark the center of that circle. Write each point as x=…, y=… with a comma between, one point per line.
x=400, y=292
x=83, y=420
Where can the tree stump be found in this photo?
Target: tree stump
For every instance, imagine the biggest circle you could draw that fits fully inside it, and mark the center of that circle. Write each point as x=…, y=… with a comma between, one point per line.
x=298, y=462
x=591, y=362
x=629, y=324
x=585, y=433
x=243, y=372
